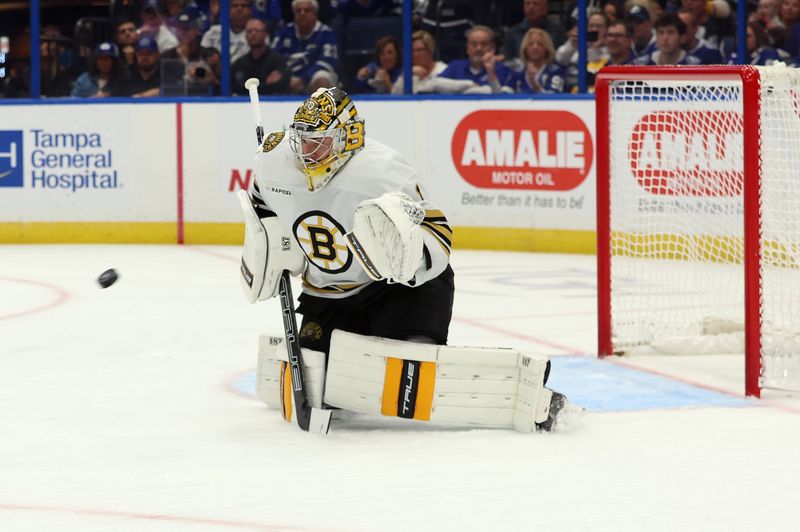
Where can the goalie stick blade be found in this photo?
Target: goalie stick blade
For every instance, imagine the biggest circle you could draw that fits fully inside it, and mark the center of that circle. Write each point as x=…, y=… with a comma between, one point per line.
x=362, y=257
x=320, y=421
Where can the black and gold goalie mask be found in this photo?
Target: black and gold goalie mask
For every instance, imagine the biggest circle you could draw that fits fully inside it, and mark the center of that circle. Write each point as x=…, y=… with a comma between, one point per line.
x=325, y=132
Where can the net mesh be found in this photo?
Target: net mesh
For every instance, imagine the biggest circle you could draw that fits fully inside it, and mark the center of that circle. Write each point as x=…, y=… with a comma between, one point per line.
x=780, y=228
x=676, y=206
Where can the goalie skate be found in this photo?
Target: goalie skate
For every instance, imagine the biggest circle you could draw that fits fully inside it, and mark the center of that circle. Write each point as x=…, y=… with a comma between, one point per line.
x=562, y=414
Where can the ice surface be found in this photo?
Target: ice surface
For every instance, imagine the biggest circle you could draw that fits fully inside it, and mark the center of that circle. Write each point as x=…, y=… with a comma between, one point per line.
x=129, y=409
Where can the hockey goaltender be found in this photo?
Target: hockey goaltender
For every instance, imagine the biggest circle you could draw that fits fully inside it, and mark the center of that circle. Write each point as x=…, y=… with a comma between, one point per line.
x=350, y=215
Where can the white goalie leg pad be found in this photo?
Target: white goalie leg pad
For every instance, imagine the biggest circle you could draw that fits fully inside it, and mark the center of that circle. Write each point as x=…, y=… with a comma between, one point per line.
x=465, y=386
x=268, y=250
x=274, y=375
x=386, y=237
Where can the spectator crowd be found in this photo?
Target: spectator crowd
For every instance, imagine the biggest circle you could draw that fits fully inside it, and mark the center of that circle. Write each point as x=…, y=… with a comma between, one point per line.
x=173, y=47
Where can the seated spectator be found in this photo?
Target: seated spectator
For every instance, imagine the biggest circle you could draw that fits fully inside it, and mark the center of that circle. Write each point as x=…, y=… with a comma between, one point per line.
x=713, y=18
x=183, y=69
x=482, y=66
x=670, y=38
x=143, y=78
x=188, y=33
x=541, y=74
x=699, y=48
x=379, y=75
x=105, y=71
x=596, y=53
x=535, y=17
x=55, y=78
x=153, y=24
x=758, y=50
x=310, y=48
x=644, y=39
x=239, y=15
x=125, y=37
x=768, y=15
x=261, y=63
x=788, y=17
x=789, y=12
x=619, y=38
x=426, y=70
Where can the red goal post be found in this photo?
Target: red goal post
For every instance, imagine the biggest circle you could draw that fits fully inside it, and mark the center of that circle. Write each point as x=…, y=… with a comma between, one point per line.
x=698, y=182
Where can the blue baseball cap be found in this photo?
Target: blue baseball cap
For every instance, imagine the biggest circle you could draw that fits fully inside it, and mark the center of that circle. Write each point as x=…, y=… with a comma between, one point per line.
x=106, y=48
x=146, y=42
x=638, y=13
x=189, y=17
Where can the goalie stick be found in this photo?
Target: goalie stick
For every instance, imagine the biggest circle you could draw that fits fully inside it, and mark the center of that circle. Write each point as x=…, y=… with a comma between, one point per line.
x=308, y=418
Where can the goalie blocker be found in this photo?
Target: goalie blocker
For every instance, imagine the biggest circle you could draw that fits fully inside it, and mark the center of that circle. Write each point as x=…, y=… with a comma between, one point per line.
x=464, y=386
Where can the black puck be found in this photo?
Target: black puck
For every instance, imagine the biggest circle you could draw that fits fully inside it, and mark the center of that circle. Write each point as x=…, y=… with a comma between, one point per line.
x=107, y=278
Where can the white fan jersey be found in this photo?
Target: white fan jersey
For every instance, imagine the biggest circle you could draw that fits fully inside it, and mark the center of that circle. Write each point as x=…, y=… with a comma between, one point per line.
x=320, y=219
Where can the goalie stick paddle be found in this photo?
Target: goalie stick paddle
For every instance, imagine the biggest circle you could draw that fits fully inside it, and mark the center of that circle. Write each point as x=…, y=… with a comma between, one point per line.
x=309, y=418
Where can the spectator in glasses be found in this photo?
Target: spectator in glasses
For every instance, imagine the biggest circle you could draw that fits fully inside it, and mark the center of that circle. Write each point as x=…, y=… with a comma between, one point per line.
x=618, y=43
x=260, y=62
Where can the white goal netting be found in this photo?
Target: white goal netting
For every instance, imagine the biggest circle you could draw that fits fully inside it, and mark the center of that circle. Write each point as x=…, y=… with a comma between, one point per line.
x=677, y=218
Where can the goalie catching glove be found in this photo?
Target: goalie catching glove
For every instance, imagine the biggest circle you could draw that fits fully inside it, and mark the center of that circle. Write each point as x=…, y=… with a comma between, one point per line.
x=386, y=237
x=268, y=251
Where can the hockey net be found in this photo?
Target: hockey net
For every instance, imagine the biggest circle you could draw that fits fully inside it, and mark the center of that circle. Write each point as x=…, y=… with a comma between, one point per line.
x=699, y=215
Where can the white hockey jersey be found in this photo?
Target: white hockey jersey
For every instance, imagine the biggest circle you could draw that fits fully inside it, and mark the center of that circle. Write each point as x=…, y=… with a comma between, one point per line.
x=319, y=219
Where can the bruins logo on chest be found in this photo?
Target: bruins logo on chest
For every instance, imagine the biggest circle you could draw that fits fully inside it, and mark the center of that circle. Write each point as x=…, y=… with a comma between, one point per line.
x=322, y=240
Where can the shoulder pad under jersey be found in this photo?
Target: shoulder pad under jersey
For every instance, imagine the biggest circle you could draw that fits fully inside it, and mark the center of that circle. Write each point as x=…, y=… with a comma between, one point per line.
x=272, y=140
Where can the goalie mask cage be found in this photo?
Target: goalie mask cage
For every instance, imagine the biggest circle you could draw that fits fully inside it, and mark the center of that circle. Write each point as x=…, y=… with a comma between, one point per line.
x=698, y=215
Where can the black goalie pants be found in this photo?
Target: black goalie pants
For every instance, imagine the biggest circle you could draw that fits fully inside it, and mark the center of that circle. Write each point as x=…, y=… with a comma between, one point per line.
x=387, y=310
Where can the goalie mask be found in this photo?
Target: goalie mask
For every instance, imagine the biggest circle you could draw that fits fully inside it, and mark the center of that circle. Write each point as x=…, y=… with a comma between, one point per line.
x=325, y=132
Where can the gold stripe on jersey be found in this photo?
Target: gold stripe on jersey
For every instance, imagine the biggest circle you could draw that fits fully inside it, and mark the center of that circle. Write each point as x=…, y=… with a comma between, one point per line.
x=435, y=223
x=437, y=219
x=332, y=289
x=437, y=237
x=434, y=213
x=442, y=230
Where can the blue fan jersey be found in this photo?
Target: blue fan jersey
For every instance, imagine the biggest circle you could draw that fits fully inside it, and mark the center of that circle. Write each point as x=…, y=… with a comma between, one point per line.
x=305, y=57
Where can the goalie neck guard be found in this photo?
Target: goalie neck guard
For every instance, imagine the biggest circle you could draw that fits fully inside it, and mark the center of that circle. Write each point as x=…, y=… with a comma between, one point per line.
x=326, y=132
